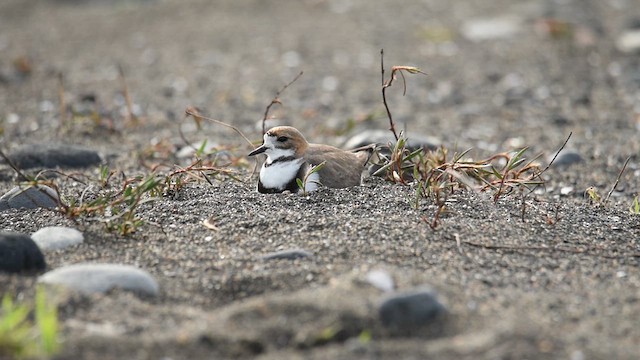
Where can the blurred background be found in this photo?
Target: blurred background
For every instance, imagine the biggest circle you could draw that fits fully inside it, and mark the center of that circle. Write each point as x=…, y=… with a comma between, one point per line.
x=501, y=74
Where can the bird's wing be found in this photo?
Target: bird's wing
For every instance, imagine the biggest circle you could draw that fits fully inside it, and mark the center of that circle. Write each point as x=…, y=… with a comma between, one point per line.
x=342, y=168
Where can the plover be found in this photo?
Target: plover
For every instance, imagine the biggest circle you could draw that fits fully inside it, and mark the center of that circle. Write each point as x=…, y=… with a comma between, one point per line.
x=291, y=157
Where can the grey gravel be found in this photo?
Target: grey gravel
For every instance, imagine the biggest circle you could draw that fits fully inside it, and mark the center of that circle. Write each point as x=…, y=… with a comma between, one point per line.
x=522, y=278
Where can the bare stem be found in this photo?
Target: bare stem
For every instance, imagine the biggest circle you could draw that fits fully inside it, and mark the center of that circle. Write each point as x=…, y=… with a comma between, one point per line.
x=276, y=100
x=385, y=85
x=191, y=111
x=127, y=97
x=613, y=188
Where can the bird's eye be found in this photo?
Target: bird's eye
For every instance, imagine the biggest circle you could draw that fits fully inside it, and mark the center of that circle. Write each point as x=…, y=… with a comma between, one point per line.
x=282, y=138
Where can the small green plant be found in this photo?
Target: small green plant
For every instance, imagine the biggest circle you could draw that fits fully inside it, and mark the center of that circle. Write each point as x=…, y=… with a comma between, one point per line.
x=302, y=183
x=22, y=337
x=635, y=206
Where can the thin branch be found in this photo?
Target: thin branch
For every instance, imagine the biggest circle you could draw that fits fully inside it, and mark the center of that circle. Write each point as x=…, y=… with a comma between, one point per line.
x=14, y=166
x=385, y=85
x=557, y=153
x=276, y=100
x=127, y=97
x=192, y=111
x=613, y=188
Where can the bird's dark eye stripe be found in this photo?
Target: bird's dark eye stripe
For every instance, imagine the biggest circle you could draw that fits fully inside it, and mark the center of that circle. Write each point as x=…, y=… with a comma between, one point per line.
x=282, y=138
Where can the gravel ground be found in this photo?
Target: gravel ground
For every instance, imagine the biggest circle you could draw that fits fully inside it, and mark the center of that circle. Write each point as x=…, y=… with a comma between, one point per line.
x=562, y=281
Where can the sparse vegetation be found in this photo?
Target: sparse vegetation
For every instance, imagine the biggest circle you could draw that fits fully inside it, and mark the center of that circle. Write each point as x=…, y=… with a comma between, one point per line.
x=29, y=331
x=302, y=184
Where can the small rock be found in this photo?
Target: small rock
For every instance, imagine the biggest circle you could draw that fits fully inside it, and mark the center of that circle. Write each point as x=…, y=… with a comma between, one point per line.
x=289, y=254
x=53, y=155
x=380, y=279
x=567, y=158
x=189, y=151
x=29, y=198
x=100, y=278
x=57, y=238
x=491, y=28
x=384, y=137
x=404, y=313
x=18, y=252
x=629, y=41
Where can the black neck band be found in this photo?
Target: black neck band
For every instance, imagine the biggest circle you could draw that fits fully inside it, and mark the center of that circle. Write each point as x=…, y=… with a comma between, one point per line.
x=281, y=159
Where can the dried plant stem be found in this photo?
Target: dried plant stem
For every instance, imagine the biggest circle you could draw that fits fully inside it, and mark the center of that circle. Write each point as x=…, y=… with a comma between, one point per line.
x=276, y=100
x=386, y=84
x=613, y=188
x=131, y=117
x=192, y=111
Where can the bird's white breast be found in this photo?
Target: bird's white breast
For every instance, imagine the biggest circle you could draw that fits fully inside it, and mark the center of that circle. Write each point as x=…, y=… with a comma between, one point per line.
x=279, y=174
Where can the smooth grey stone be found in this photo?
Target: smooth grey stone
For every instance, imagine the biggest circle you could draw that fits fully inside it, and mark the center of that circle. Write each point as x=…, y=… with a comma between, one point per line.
x=567, y=158
x=54, y=155
x=100, y=278
x=404, y=313
x=29, y=198
x=629, y=41
x=290, y=254
x=384, y=137
x=57, y=238
x=18, y=253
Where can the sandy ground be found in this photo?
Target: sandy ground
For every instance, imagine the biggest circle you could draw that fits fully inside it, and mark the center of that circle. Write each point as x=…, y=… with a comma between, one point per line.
x=563, y=283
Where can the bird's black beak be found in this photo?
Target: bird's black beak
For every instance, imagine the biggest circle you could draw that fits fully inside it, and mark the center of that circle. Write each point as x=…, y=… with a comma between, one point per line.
x=258, y=150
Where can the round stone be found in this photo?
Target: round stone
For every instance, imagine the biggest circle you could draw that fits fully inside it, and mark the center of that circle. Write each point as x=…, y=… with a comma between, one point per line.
x=404, y=313
x=100, y=278
x=57, y=238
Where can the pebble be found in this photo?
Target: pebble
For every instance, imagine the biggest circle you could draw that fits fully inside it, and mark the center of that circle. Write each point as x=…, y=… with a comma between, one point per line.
x=406, y=312
x=629, y=41
x=384, y=137
x=289, y=254
x=29, y=198
x=18, y=253
x=567, y=158
x=57, y=238
x=491, y=28
x=54, y=155
x=100, y=278
x=380, y=279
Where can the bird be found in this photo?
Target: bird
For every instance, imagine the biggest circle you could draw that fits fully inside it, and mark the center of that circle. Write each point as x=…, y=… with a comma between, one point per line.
x=291, y=157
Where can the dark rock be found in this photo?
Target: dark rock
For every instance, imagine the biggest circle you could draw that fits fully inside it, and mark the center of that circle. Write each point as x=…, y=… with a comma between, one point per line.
x=29, y=198
x=53, y=155
x=19, y=253
x=567, y=158
x=406, y=313
x=289, y=254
